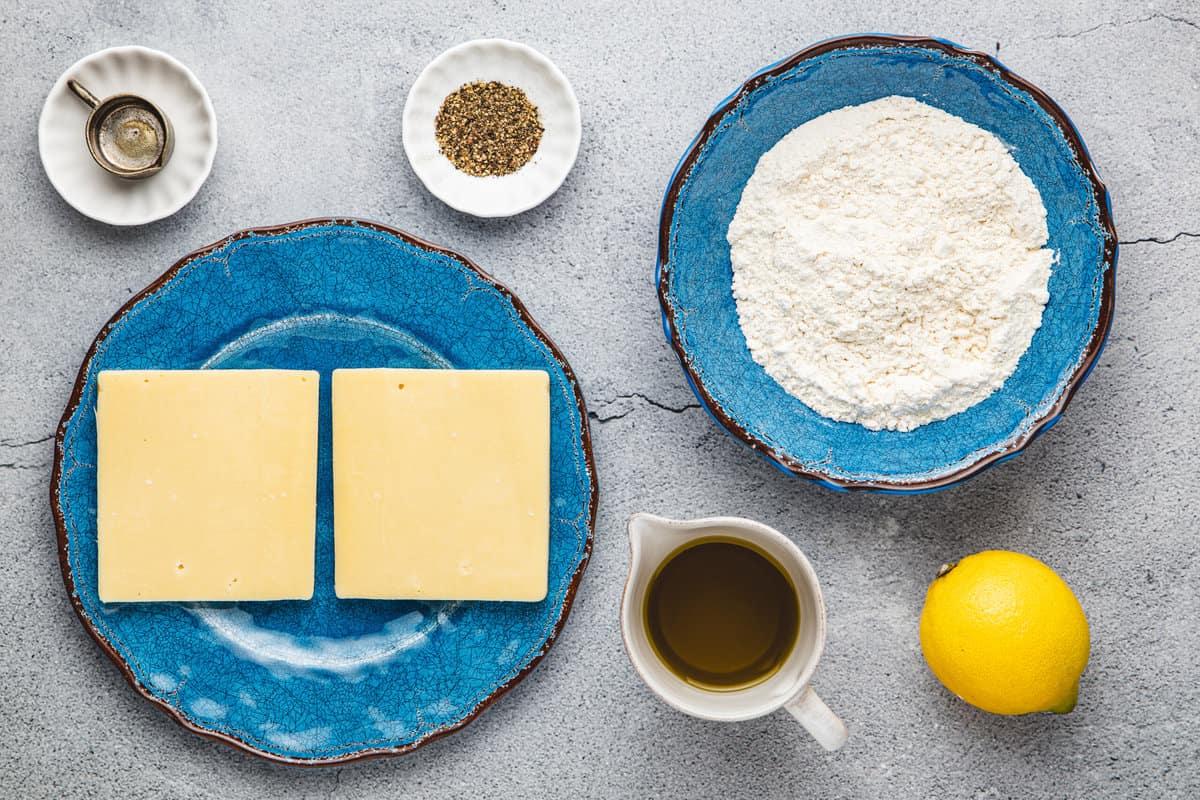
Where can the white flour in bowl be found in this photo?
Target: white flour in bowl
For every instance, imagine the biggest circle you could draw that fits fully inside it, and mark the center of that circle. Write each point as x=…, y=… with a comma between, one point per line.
x=889, y=263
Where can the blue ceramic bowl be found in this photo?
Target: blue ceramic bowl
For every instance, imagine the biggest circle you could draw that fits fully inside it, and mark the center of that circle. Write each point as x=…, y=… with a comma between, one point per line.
x=695, y=275
x=327, y=680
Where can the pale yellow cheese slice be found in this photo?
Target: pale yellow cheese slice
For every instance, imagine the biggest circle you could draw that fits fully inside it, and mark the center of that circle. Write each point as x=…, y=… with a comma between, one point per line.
x=206, y=484
x=441, y=484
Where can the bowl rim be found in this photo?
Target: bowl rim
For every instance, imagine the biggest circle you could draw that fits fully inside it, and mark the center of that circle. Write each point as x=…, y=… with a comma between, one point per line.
x=585, y=441
x=786, y=462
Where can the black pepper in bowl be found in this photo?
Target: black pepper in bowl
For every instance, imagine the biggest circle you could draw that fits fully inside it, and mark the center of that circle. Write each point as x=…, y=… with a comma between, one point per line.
x=488, y=128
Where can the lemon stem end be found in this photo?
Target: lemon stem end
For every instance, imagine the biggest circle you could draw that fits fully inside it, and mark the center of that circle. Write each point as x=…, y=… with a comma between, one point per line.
x=944, y=569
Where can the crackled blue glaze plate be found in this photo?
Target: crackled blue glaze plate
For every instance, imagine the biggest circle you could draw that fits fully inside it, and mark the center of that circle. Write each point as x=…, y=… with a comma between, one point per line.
x=695, y=275
x=327, y=680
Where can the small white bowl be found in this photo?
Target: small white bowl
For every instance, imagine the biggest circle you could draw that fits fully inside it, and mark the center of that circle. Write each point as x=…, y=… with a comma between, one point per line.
x=513, y=64
x=163, y=81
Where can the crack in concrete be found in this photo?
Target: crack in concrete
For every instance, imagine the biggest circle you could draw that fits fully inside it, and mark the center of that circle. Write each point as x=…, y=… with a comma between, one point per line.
x=337, y=783
x=1157, y=240
x=27, y=444
x=593, y=415
x=657, y=404
x=1120, y=24
x=14, y=465
x=637, y=396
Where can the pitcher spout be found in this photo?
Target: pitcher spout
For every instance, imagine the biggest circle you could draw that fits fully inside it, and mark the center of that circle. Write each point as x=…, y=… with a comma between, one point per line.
x=651, y=540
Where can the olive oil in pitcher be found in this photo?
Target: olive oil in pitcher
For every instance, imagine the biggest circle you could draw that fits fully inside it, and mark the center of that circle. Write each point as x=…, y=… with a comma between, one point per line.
x=722, y=615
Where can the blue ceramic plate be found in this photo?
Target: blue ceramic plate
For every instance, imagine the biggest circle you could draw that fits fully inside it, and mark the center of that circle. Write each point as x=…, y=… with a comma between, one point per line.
x=326, y=680
x=695, y=275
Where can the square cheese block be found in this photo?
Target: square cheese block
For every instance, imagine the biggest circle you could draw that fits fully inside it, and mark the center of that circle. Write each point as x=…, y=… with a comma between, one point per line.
x=441, y=482
x=206, y=484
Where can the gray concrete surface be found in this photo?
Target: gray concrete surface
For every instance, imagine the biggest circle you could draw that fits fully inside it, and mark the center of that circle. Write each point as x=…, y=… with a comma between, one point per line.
x=309, y=100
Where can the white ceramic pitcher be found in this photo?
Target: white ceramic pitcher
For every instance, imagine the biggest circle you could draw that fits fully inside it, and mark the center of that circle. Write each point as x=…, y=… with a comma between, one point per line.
x=652, y=539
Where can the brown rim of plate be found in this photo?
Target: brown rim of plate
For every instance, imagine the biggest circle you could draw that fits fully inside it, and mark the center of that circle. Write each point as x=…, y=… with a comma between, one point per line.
x=1107, y=294
x=229, y=739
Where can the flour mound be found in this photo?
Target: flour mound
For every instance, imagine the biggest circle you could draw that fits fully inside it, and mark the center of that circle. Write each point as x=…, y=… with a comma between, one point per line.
x=889, y=264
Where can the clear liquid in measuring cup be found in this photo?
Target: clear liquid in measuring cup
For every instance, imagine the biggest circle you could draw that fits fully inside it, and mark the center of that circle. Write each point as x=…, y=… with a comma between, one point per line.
x=131, y=137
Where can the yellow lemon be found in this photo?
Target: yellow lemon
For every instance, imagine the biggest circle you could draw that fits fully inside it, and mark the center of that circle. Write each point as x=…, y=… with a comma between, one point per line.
x=1005, y=633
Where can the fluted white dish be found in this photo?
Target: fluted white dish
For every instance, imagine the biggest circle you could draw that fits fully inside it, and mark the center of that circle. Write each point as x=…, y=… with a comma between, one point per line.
x=163, y=81
x=513, y=64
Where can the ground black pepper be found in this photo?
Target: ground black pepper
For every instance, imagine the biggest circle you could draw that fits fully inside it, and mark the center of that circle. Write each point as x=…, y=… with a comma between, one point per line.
x=488, y=128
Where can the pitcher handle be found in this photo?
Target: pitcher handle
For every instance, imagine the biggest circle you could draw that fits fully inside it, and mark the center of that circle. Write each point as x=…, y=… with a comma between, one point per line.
x=829, y=731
